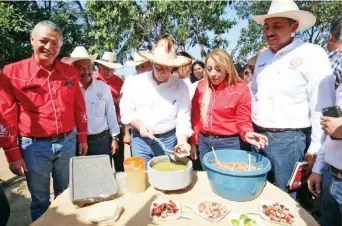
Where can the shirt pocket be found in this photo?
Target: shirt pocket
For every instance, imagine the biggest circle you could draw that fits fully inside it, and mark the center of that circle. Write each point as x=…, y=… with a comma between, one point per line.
x=35, y=95
x=169, y=107
x=99, y=108
x=67, y=94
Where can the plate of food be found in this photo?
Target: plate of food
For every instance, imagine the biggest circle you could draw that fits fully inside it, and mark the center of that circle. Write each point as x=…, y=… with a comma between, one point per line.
x=210, y=210
x=276, y=212
x=165, y=210
x=245, y=219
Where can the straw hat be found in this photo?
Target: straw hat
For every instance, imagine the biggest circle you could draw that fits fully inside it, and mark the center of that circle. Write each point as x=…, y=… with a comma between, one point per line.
x=164, y=54
x=137, y=59
x=288, y=9
x=109, y=60
x=79, y=53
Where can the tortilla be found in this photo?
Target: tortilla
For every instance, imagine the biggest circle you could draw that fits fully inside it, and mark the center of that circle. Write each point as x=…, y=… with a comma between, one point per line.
x=101, y=211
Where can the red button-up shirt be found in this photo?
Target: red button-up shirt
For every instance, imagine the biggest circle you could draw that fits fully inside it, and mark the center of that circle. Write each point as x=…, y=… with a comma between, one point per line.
x=229, y=111
x=115, y=83
x=38, y=103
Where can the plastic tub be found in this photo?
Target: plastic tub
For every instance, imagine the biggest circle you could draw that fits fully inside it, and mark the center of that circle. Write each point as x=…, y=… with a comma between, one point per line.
x=237, y=185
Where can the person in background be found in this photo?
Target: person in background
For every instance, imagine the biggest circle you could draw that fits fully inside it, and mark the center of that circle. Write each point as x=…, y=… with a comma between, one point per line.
x=156, y=104
x=333, y=46
x=40, y=105
x=239, y=69
x=103, y=127
x=291, y=84
x=140, y=64
x=248, y=74
x=197, y=71
x=107, y=66
x=221, y=109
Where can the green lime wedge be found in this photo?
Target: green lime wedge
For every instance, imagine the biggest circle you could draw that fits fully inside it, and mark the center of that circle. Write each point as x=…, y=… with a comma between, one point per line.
x=243, y=217
x=235, y=222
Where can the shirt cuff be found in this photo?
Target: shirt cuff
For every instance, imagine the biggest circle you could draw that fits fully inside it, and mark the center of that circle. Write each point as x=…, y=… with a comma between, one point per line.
x=318, y=167
x=314, y=148
x=245, y=130
x=82, y=137
x=184, y=132
x=13, y=154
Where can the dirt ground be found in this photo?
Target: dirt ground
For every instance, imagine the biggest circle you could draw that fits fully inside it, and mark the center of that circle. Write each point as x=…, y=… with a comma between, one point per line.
x=18, y=195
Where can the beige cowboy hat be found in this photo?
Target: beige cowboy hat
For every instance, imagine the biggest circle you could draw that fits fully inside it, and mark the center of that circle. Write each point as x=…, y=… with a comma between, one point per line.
x=164, y=54
x=108, y=59
x=79, y=53
x=288, y=9
x=137, y=59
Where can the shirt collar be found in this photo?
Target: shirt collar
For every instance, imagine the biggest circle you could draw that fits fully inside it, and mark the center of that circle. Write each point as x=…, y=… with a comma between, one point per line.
x=295, y=43
x=35, y=67
x=221, y=86
x=167, y=83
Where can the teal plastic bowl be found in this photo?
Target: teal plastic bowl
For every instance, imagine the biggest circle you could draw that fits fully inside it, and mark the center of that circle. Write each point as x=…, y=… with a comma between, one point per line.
x=237, y=185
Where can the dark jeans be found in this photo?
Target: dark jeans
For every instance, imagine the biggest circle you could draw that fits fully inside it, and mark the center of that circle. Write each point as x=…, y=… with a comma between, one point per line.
x=42, y=159
x=4, y=207
x=205, y=144
x=119, y=156
x=284, y=150
x=331, y=200
x=147, y=148
x=100, y=145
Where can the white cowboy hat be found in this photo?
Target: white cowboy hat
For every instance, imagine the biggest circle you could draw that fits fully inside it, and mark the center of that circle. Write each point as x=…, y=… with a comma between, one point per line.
x=109, y=60
x=164, y=54
x=137, y=59
x=288, y=9
x=79, y=53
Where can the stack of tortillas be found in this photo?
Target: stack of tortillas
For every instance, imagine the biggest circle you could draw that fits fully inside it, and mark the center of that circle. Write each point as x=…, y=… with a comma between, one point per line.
x=100, y=212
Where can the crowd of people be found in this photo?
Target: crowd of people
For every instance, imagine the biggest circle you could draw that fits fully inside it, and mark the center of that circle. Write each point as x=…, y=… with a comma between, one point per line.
x=52, y=110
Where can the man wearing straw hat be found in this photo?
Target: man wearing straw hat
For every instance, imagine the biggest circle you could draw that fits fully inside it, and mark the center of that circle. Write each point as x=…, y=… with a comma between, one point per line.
x=157, y=104
x=103, y=126
x=107, y=66
x=40, y=105
x=140, y=64
x=291, y=85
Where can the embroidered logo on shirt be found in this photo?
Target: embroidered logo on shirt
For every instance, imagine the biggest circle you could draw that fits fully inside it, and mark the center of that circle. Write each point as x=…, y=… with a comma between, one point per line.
x=262, y=65
x=99, y=95
x=296, y=62
x=4, y=130
x=84, y=116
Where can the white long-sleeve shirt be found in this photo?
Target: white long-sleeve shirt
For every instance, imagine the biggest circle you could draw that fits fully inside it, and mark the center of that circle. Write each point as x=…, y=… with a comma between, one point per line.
x=101, y=114
x=331, y=151
x=290, y=89
x=163, y=107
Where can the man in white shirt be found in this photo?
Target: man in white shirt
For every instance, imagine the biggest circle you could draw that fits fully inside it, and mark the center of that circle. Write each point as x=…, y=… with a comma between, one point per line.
x=103, y=126
x=156, y=104
x=327, y=171
x=292, y=83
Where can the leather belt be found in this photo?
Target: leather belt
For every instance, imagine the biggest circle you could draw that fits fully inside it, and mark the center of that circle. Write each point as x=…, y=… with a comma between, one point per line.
x=53, y=138
x=94, y=136
x=163, y=134
x=210, y=135
x=274, y=130
x=336, y=172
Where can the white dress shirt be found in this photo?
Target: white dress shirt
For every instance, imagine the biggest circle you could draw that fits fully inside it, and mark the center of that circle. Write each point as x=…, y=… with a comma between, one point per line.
x=290, y=89
x=162, y=107
x=331, y=151
x=100, y=107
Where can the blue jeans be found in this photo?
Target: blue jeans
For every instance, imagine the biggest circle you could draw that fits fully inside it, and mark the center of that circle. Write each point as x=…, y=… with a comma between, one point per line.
x=100, y=145
x=331, y=200
x=205, y=144
x=284, y=150
x=43, y=158
x=147, y=148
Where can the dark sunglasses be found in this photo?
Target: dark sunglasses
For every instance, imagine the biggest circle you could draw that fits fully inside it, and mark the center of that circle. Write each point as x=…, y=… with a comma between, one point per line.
x=247, y=73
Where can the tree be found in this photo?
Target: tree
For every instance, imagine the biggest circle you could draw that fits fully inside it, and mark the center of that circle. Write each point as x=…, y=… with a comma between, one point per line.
x=251, y=39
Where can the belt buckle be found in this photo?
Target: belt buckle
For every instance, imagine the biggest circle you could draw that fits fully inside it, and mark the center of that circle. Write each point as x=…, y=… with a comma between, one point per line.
x=336, y=173
x=54, y=138
x=210, y=135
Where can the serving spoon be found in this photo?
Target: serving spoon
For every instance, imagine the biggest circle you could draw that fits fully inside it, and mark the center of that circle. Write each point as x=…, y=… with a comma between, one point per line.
x=170, y=151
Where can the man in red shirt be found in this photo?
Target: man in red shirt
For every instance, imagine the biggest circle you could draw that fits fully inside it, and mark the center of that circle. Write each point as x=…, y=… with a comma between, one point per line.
x=107, y=65
x=40, y=105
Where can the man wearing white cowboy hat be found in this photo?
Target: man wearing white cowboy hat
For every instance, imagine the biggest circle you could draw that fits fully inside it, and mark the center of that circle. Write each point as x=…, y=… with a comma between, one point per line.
x=103, y=126
x=292, y=83
x=140, y=63
x=107, y=66
x=157, y=104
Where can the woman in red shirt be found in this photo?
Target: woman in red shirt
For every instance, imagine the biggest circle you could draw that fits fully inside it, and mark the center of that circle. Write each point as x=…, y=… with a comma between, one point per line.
x=221, y=109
